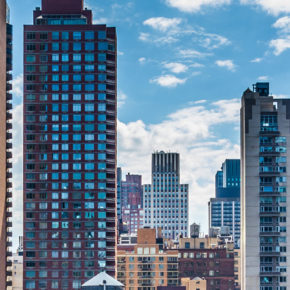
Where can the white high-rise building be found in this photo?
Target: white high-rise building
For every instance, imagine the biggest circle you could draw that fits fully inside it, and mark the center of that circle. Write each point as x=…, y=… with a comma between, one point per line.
x=165, y=199
x=265, y=205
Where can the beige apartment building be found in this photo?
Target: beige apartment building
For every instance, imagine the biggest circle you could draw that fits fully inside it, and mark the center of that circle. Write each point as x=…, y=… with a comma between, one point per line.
x=146, y=266
x=194, y=284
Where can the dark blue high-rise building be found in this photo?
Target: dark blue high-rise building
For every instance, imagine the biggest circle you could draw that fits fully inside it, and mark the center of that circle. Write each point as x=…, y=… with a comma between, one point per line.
x=224, y=209
x=227, y=181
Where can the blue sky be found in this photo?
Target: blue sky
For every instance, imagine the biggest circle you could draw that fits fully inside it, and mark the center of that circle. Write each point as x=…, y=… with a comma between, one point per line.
x=182, y=67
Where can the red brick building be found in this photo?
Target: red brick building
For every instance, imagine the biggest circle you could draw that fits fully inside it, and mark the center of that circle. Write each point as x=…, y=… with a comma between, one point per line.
x=69, y=147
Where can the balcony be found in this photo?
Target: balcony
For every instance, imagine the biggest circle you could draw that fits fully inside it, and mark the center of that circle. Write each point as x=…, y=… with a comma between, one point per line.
x=8, y=87
x=8, y=135
x=270, y=254
x=8, y=144
x=9, y=126
x=8, y=116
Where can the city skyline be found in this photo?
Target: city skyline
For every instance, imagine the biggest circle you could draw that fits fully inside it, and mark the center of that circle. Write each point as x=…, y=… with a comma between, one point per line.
x=204, y=121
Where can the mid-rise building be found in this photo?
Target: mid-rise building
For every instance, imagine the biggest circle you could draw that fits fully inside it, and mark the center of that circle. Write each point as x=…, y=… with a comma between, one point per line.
x=209, y=258
x=265, y=208
x=70, y=108
x=147, y=265
x=5, y=147
x=166, y=199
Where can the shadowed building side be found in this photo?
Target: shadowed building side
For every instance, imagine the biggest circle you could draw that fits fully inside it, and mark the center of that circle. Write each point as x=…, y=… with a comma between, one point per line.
x=5, y=146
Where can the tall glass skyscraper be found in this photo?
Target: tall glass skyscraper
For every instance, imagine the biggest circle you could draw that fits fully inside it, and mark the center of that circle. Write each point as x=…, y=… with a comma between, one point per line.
x=165, y=201
x=224, y=209
x=265, y=208
x=69, y=147
x=5, y=147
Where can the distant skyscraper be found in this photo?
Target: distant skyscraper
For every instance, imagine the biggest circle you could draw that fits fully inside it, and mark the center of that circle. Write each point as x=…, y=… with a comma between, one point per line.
x=166, y=200
x=265, y=145
x=5, y=147
x=69, y=147
x=228, y=179
x=224, y=210
x=131, y=202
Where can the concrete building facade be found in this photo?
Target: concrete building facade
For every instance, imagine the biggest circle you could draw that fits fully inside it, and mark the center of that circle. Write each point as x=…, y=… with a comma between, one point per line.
x=166, y=199
x=70, y=217
x=265, y=206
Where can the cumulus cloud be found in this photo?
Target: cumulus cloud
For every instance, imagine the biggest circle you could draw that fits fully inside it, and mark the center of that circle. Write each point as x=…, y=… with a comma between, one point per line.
x=196, y=5
x=176, y=67
x=169, y=81
x=192, y=132
x=283, y=24
x=17, y=85
x=280, y=45
x=121, y=99
x=17, y=172
x=162, y=23
x=228, y=64
x=274, y=7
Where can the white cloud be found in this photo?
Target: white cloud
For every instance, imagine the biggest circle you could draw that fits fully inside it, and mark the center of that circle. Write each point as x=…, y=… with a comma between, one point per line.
x=17, y=86
x=192, y=53
x=193, y=6
x=200, y=102
x=228, y=64
x=274, y=7
x=256, y=60
x=280, y=45
x=162, y=23
x=191, y=132
x=176, y=67
x=17, y=161
x=142, y=60
x=283, y=24
x=169, y=81
x=121, y=99
x=159, y=40
x=263, y=78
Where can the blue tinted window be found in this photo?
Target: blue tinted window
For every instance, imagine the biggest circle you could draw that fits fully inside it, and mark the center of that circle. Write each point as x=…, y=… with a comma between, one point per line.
x=103, y=46
x=102, y=35
x=89, y=35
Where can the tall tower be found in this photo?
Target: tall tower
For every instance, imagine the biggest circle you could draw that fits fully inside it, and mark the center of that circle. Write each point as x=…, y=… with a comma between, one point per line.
x=265, y=207
x=166, y=200
x=5, y=147
x=70, y=213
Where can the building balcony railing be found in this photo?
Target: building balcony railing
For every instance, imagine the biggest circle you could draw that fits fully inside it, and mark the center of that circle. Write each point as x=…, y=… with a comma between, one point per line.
x=270, y=254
